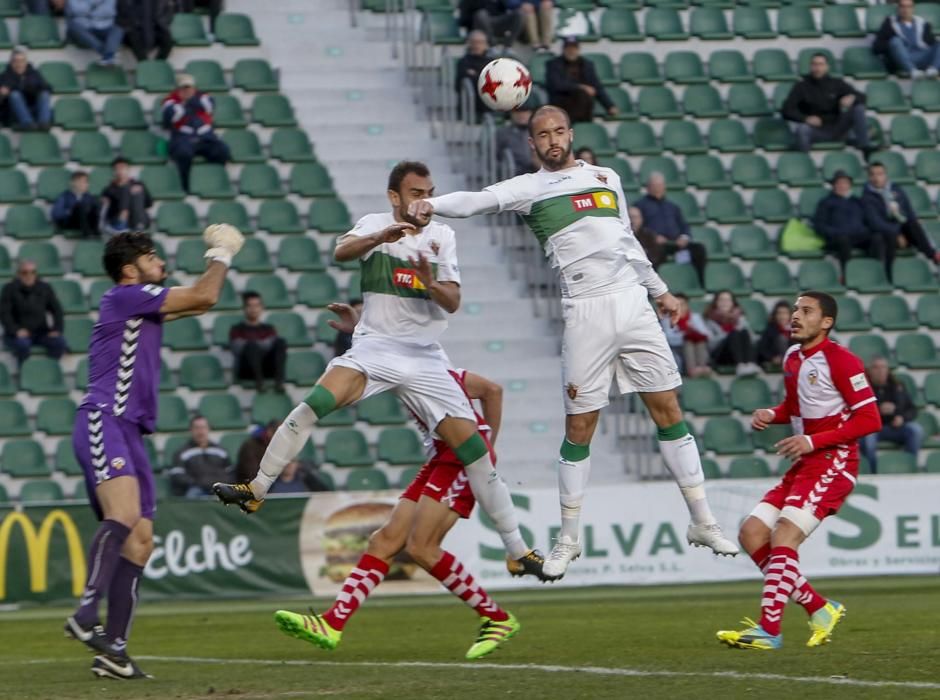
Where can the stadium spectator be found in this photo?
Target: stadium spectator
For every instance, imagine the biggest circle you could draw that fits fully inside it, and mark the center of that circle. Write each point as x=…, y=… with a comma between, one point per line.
x=124, y=202
x=888, y=213
x=907, y=43
x=538, y=21
x=252, y=450
x=77, y=209
x=672, y=231
x=469, y=67
x=729, y=339
x=826, y=109
x=688, y=339
x=344, y=338
x=92, y=24
x=259, y=353
x=775, y=339
x=299, y=477
x=840, y=219
x=573, y=84
x=514, y=137
x=498, y=19
x=898, y=414
x=26, y=94
x=31, y=314
x=212, y=7
x=43, y=7
x=199, y=463
x=187, y=115
x=146, y=25
x=587, y=155
x=646, y=237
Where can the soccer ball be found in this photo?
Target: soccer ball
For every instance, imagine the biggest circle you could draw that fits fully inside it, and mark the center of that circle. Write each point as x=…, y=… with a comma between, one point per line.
x=504, y=84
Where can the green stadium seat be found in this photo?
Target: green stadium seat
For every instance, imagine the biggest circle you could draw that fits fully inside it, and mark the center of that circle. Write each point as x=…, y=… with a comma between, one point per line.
x=772, y=278
x=190, y=257
x=14, y=187
x=244, y=146
x=770, y=436
x=914, y=275
x=657, y=102
x=637, y=139
x=748, y=468
x=184, y=334
x=932, y=389
x=221, y=326
x=704, y=397
x=228, y=113
x=271, y=288
x=868, y=347
x=928, y=421
x=39, y=32
x=272, y=110
x=292, y=146
x=233, y=213
x=752, y=171
x=65, y=461
x=305, y=367
x=729, y=66
x=407, y=476
x=106, y=79
x=709, y=23
x=366, y=480
x=46, y=257
x=7, y=156
x=726, y=436
x=911, y=131
x=681, y=278
x=619, y=24
x=748, y=100
x=329, y=216
x=311, y=180
x=222, y=411
x=773, y=65
x=201, y=372
x=13, y=420
x=401, y=446
x=751, y=242
x=772, y=205
x=703, y=101
x=253, y=257
x=267, y=407
x=726, y=275
x=927, y=166
x=711, y=239
x=847, y=162
x=822, y=276
x=172, y=415
x=917, y=351
x=914, y=392
x=729, y=136
x=593, y=136
x=324, y=331
x=235, y=30
x=664, y=24
x=208, y=75
x=381, y=409
x=143, y=147
x=260, y=180
x=254, y=75
x=210, y=181
x=933, y=463
x=891, y=313
x=622, y=101
x=726, y=207
x=689, y=207
x=292, y=328
x=123, y=113
x=300, y=254
x=28, y=221
x=228, y=299
x=11, y=8
x=851, y=315
x=604, y=68
x=340, y=418
x=928, y=310
x=620, y=166
x=155, y=76
x=167, y=382
x=875, y=15
x=56, y=416
x=885, y=97
x=163, y=181
x=866, y=276
x=772, y=134
x=279, y=216
x=750, y=393
x=640, y=69
x=897, y=463
x=925, y=95
x=90, y=148
x=754, y=312
x=706, y=172
x=187, y=30
x=665, y=166
x=796, y=22
x=920, y=202
x=841, y=21
x=752, y=23
x=41, y=491
x=316, y=289
x=61, y=77
x=683, y=137
x=859, y=62
x=7, y=387
x=178, y=219
x=40, y=149
x=347, y=448
x=42, y=376
x=684, y=67
x=809, y=200
x=173, y=445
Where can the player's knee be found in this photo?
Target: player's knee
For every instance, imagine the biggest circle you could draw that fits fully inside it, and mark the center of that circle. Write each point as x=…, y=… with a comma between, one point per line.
x=665, y=411
x=384, y=544
x=422, y=550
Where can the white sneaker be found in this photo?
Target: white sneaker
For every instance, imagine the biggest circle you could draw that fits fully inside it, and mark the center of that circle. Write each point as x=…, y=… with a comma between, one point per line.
x=565, y=551
x=710, y=535
x=747, y=369
x=932, y=72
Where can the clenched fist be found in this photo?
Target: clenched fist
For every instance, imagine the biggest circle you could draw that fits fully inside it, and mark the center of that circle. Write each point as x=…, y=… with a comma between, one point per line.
x=224, y=241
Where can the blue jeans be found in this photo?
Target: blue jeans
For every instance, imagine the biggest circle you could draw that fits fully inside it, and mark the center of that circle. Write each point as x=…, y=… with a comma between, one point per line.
x=908, y=58
x=850, y=121
x=910, y=436
x=105, y=42
x=21, y=347
x=26, y=115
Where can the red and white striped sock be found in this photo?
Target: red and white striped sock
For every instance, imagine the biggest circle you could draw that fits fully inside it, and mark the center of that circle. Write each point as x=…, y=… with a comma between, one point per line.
x=369, y=573
x=803, y=592
x=455, y=578
x=780, y=576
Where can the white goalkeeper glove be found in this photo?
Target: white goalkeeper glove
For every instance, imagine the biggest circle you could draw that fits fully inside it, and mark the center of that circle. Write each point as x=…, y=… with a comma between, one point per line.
x=224, y=242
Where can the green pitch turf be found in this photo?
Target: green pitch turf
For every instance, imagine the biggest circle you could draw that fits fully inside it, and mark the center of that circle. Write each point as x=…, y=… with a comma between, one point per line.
x=649, y=643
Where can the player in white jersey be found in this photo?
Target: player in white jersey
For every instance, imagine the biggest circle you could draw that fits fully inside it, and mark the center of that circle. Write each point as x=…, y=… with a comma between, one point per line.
x=410, y=279
x=579, y=214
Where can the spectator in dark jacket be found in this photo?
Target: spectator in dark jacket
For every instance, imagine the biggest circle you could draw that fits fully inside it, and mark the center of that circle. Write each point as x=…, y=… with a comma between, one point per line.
x=344, y=338
x=124, y=202
x=299, y=477
x=146, y=25
x=908, y=43
x=252, y=450
x=469, y=67
x=26, y=93
x=187, y=114
x=826, y=109
x=259, y=353
x=212, y=7
x=26, y=303
x=840, y=219
x=514, y=137
x=573, y=84
x=77, y=209
x=199, y=463
x=775, y=339
x=898, y=414
x=665, y=219
x=888, y=213
x=496, y=18
x=92, y=24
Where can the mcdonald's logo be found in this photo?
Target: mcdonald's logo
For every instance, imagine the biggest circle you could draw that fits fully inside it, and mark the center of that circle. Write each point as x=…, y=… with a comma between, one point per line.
x=37, y=549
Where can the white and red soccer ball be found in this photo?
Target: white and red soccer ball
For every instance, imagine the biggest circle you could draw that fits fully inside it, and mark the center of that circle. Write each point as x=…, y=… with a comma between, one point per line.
x=504, y=84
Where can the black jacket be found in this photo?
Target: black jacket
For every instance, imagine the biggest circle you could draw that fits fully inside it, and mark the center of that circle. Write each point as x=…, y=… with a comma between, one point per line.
x=895, y=392
x=877, y=218
x=839, y=216
x=468, y=8
x=197, y=466
x=773, y=344
x=820, y=98
x=890, y=29
x=559, y=82
x=469, y=68
x=114, y=191
x=27, y=307
x=30, y=82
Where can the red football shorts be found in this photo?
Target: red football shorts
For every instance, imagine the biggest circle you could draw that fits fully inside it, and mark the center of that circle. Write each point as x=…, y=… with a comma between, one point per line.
x=816, y=483
x=447, y=483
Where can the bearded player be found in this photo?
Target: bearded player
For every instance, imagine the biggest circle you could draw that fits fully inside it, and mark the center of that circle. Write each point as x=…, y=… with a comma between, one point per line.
x=425, y=513
x=830, y=405
x=410, y=280
x=118, y=410
x=578, y=212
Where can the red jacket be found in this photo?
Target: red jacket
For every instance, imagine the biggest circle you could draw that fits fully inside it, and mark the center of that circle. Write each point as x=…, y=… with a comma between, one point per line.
x=192, y=117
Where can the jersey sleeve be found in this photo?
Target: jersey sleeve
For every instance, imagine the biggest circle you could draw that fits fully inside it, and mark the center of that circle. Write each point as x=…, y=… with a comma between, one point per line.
x=366, y=226
x=515, y=194
x=848, y=375
x=447, y=268
x=130, y=300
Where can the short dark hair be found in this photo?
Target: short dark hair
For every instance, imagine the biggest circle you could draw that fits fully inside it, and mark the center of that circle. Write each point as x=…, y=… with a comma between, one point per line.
x=404, y=168
x=820, y=54
x=120, y=159
x=198, y=416
x=876, y=164
x=249, y=295
x=547, y=108
x=827, y=304
x=77, y=174
x=124, y=249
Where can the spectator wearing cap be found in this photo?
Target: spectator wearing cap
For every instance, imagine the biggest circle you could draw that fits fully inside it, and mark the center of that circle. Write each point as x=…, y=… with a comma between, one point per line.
x=124, y=202
x=498, y=19
x=187, y=114
x=77, y=209
x=26, y=93
x=513, y=137
x=92, y=24
x=31, y=314
x=908, y=43
x=573, y=84
x=840, y=219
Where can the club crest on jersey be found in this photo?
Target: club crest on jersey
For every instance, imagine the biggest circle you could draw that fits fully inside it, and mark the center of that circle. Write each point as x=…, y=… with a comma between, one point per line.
x=593, y=200
x=435, y=247
x=117, y=463
x=812, y=377
x=408, y=279
x=601, y=178
x=572, y=390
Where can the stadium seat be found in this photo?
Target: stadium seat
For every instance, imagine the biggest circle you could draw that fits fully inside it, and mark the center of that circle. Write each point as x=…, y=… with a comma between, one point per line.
x=271, y=288
x=6, y=265
x=316, y=289
x=178, y=219
x=39, y=32
x=921, y=202
x=163, y=181
x=704, y=397
x=796, y=22
x=401, y=446
x=859, y=62
x=706, y=172
x=868, y=347
x=703, y=101
x=61, y=77
x=911, y=131
x=46, y=257
x=752, y=23
x=244, y=146
x=222, y=411
x=896, y=463
x=51, y=183
x=928, y=310
x=381, y=409
x=748, y=100
x=311, y=180
x=210, y=181
x=917, y=351
x=932, y=389
x=208, y=75
x=189, y=257
x=187, y=30
x=56, y=416
x=683, y=137
x=40, y=149
x=711, y=239
x=106, y=79
x=772, y=205
x=665, y=166
x=253, y=257
x=142, y=147
x=324, y=331
x=7, y=387
x=637, y=139
x=41, y=491
x=407, y=476
x=664, y=24
x=272, y=110
x=228, y=299
x=7, y=156
x=820, y=275
x=681, y=278
x=772, y=278
x=885, y=97
x=851, y=315
x=726, y=207
x=925, y=95
x=751, y=242
x=291, y=146
x=726, y=436
x=155, y=76
x=123, y=113
x=729, y=66
x=233, y=213
x=927, y=166
x=657, y=102
x=750, y=393
x=891, y=313
x=914, y=275
x=65, y=460
x=684, y=67
x=90, y=148
x=202, y=371
x=42, y=376
x=928, y=421
x=767, y=439
x=329, y=216
x=228, y=113
x=14, y=187
x=729, y=136
x=340, y=418
x=292, y=327
x=304, y=367
x=773, y=65
x=300, y=254
x=184, y=334
x=347, y=448
x=689, y=207
x=604, y=68
x=593, y=136
x=27, y=221
x=267, y=407
x=752, y=171
x=235, y=30
x=640, y=69
x=254, y=75
x=260, y=180
x=364, y=479
x=875, y=15
x=846, y=162
x=772, y=134
x=809, y=200
x=279, y=216
x=619, y=24
x=913, y=391
x=726, y=275
x=841, y=21
x=709, y=23
x=13, y=419
x=620, y=166
x=748, y=468
x=221, y=325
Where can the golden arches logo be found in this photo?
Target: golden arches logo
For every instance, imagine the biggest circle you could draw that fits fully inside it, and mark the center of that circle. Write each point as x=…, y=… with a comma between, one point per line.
x=37, y=549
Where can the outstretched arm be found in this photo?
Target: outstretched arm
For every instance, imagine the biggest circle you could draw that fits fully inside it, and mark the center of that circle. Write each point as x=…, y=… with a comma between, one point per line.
x=456, y=205
x=224, y=242
x=353, y=247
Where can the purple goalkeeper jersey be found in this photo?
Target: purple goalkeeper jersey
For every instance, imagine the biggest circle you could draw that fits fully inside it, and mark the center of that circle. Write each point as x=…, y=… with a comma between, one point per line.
x=124, y=354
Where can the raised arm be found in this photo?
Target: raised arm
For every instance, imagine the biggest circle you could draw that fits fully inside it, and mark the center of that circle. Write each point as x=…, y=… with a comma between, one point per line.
x=224, y=242
x=354, y=247
x=456, y=205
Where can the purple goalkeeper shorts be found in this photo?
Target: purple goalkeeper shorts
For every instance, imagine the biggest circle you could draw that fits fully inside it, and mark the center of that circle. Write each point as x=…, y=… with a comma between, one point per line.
x=108, y=447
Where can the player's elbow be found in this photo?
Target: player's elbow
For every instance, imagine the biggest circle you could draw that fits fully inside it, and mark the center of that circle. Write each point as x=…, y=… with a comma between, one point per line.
x=493, y=393
x=342, y=254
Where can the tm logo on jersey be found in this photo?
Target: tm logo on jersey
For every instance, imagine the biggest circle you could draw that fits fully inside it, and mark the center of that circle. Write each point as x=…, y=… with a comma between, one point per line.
x=593, y=200
x=408, y=279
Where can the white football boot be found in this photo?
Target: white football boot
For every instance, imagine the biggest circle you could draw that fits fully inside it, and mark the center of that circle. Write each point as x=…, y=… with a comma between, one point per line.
x=710, y=535
x=565, y=551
